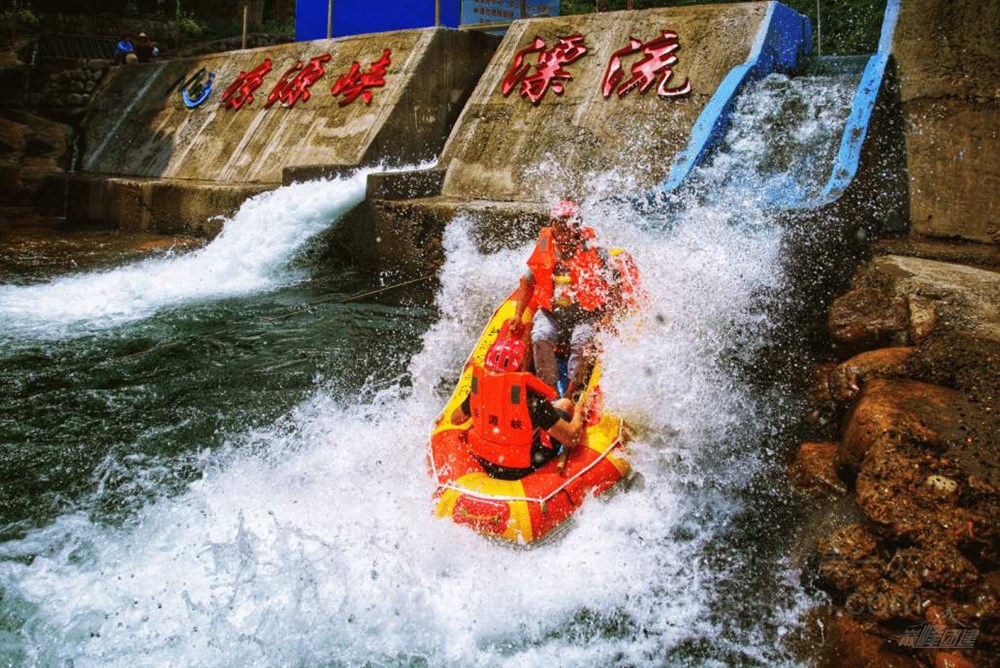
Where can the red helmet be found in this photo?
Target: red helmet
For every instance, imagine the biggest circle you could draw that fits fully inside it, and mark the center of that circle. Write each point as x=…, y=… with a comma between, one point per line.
x=506, y=355
x=566, y=209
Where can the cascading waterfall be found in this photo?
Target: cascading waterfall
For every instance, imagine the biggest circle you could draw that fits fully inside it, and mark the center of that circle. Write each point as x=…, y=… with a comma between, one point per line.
x=310, y=542
x=252, y=253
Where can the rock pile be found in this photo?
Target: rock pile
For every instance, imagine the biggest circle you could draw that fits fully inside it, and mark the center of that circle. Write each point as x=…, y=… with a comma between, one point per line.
x=66, y=91
x=913, y=574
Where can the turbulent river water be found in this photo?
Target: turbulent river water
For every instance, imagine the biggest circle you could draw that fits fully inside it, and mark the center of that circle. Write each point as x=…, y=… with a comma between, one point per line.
x=253, y=492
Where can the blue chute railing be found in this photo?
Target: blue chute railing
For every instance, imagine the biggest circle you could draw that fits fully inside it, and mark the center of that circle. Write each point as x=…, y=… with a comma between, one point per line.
x=783, y=41
x=845, y=167
x=781, y=44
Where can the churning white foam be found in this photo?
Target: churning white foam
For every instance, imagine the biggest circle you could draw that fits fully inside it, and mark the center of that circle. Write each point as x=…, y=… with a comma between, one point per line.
x=311, y=543
x=251, y=254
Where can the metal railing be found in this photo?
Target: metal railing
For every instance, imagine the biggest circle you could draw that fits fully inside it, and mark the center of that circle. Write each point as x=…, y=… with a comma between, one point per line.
x=55, y=46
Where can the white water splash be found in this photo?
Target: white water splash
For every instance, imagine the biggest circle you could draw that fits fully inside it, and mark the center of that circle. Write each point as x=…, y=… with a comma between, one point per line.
x=251, y=254
x=311, y=543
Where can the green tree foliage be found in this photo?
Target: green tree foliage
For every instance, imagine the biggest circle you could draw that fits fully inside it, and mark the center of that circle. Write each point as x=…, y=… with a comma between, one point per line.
x=849, y=26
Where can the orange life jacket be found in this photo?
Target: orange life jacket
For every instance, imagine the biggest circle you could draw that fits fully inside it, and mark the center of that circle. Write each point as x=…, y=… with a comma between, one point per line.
x=502, y=432
x=629, y=288
x=588, y=282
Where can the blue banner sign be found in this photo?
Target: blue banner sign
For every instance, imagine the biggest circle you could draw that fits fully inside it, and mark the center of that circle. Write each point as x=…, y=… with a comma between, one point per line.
x=505, y=11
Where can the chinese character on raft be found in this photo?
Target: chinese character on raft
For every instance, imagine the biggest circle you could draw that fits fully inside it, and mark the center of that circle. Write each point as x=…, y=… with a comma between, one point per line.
x=548, y=69
x=355, y=84
x=289, y=92
x=246, y=83
x=655, y=67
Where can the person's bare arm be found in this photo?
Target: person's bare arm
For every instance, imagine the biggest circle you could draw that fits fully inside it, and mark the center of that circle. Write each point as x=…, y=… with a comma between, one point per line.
x=568, y=432
x=458, y=416
x=524, y=293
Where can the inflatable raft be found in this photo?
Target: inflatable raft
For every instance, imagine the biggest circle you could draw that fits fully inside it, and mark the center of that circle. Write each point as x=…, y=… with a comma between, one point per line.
x=525, y=510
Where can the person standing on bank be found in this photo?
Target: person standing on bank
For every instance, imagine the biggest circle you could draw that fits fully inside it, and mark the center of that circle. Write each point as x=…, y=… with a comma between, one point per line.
x=145, y=48
x=575, y=285
x=123, y=49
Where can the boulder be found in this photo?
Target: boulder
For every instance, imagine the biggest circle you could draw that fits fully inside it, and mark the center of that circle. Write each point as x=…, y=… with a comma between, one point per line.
x=968, y=298
x=846, y=379
x=850, y=644
x=901, y=411
x=923, y=317
x=867, y=318
x=815, y=469
x=848, y=557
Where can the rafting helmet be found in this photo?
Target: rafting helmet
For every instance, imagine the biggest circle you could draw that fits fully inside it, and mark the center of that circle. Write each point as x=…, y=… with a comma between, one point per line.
x=506, y=355
x=567, y=210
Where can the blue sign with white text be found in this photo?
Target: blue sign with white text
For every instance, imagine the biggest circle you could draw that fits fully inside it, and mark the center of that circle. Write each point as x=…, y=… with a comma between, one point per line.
x=505, y=11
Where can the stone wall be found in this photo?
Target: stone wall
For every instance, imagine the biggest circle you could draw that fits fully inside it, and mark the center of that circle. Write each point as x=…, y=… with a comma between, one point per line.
x=949, y=62
x=64, y=89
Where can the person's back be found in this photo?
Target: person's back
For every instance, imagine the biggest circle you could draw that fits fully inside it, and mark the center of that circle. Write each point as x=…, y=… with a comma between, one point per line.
x=514, y=417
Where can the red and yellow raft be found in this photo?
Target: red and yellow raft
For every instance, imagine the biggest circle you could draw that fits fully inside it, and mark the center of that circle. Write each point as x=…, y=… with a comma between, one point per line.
x=525, y=510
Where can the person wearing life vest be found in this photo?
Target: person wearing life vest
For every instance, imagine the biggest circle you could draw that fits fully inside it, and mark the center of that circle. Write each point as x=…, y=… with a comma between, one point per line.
x=574, y=285
x=518, y=424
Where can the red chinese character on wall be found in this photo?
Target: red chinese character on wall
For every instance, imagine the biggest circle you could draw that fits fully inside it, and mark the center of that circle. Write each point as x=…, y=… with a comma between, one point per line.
x=548, y=69
x=657, y=64
x=355, y=84
x=289, y=92
x=246, y=83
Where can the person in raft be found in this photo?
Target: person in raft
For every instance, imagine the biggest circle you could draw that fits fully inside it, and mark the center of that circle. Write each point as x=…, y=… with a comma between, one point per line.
x=576, y=286
x=518, y=424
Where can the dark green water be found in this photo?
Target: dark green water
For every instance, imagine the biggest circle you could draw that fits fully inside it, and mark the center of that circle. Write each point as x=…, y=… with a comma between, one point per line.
x=99, y=411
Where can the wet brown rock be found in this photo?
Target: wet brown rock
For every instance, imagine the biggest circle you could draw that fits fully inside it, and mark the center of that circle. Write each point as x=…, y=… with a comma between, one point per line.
x=815, y=469
x=851, y=644
x=892, y=492
x=848, y=558
x=897, y=411
x=951, y=659
x=867, y=318
x=847, y=378
x=923, y=317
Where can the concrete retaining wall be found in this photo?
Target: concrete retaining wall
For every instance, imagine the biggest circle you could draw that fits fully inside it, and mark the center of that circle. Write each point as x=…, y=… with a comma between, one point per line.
x=140, y=130
x=505, y=148
x=949, y=65
x=166, y=206
x=507, y=158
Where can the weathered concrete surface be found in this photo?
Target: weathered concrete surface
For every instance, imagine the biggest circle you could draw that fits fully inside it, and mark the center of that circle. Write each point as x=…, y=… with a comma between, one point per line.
x=948, y=55
x=138, y=129
x=405, y=234
x=969, y=298
x=985, y=256
x=166, y=206
x=505, y=148
x=507, y=159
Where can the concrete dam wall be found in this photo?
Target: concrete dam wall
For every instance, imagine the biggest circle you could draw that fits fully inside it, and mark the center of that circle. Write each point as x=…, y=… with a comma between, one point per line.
x=520, y=145
x=501, y=140
x=948, y=68
x=142, y=131
x=563, y=105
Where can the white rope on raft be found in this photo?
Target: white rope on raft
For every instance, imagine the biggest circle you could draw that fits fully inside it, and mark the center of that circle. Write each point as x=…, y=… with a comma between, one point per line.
x=497, y=497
